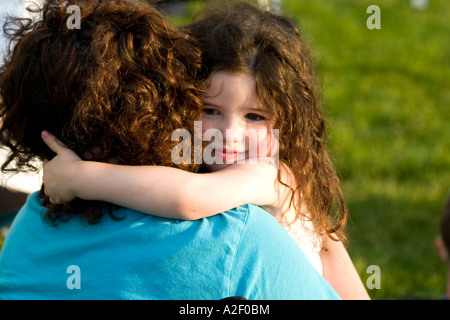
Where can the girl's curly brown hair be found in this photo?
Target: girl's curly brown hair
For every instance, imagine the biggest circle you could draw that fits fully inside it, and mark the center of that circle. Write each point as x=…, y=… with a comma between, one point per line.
x=245, y=39
x=119, y=85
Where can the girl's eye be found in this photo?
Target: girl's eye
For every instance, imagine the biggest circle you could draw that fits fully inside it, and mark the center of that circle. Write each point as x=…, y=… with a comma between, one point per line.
x=254, y=117
x=210, y=112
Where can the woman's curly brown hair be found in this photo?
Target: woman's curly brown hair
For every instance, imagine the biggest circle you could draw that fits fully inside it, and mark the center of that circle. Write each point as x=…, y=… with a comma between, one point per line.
x=119, y=85
x=245, y=39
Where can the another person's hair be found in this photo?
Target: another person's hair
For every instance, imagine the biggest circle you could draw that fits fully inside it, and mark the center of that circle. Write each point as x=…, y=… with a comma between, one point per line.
x=115, y=89
x=243, y=39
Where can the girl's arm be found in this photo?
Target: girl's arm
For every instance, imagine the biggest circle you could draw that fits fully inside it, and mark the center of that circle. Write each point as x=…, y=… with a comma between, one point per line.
x=157, y=190
x=339, y=271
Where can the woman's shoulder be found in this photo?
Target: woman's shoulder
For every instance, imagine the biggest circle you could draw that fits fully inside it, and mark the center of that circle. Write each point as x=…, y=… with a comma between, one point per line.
x=259, y=224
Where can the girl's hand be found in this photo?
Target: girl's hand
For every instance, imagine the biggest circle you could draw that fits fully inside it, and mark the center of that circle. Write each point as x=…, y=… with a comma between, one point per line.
x=59, y=173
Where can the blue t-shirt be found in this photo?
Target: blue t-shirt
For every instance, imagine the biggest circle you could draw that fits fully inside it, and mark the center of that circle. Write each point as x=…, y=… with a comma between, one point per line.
x=242, y=252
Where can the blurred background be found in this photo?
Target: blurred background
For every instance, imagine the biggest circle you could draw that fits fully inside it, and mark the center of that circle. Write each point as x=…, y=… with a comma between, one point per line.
x=386, y=95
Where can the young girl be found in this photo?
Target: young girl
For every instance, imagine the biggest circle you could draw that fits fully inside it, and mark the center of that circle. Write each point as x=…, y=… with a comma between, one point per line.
x=260, y=77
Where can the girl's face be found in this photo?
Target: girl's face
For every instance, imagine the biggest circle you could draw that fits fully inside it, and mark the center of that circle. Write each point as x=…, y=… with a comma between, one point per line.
x=232, y=107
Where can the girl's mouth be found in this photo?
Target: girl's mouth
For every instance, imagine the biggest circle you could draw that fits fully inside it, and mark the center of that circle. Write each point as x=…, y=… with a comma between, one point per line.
x=228, y=155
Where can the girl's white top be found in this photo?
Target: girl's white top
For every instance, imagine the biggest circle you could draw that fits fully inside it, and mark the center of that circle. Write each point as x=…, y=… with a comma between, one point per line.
x=302, y=231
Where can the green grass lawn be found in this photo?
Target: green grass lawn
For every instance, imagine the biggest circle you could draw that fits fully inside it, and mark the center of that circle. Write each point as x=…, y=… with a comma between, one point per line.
x=386, y=94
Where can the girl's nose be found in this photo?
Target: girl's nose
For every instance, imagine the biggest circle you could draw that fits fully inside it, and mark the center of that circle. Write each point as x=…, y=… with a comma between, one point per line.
x=234, y=132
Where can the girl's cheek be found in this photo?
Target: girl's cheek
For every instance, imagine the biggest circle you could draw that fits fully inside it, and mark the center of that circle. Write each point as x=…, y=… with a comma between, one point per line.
x=268, y=144
x=206, y=124
x=264, y=146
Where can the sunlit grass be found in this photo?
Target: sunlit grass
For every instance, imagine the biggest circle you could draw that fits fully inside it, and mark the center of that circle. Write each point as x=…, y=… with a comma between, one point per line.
x=387, y=99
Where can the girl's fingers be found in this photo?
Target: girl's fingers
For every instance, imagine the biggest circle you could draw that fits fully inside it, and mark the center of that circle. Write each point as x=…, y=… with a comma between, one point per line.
x=52, y=142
